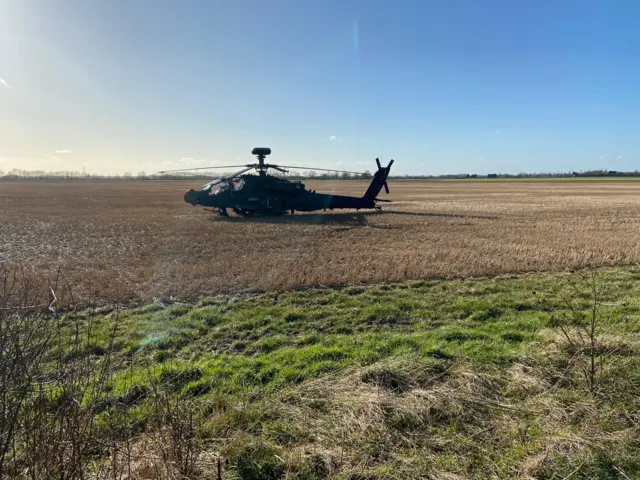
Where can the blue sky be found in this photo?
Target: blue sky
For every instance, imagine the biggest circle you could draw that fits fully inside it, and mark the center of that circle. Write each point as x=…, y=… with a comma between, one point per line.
x=442, y=87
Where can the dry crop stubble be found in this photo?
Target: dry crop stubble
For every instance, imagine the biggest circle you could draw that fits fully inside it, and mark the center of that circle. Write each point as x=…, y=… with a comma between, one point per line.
x=139, y=240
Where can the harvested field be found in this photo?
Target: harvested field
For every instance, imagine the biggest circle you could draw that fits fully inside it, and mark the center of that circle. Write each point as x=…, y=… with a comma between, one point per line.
x=139, y=240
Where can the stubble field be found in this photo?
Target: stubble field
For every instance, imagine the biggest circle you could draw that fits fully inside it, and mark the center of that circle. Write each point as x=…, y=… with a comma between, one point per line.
x=139, y=240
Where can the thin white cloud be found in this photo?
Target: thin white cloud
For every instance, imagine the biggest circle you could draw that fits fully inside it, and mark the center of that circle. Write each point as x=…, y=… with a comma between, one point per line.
x=4, y=83
x=498, y=132
x=63, y=151
x=180, y=161
x=481, y=157
x=334, y=138
x=602, y=157
x=52, y=158
x=619, y=157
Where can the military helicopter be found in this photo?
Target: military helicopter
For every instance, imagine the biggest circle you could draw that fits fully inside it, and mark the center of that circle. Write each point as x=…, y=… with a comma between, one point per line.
x=263, y=194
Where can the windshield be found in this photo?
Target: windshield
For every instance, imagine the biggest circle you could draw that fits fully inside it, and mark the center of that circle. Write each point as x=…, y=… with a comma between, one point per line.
x=215, y=189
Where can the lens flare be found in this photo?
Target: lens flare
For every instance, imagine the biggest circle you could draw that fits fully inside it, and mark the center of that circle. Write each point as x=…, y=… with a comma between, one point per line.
x=150, y=341
x=356, y=36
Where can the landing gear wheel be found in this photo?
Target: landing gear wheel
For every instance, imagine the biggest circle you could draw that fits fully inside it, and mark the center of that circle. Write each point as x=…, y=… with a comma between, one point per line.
x=242, y=212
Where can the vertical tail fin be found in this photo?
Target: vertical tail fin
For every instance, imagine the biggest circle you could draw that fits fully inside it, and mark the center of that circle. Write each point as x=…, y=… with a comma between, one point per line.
x=379, y=181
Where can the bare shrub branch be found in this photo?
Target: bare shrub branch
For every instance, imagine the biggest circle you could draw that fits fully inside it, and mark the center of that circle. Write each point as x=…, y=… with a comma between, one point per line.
x=586, y=331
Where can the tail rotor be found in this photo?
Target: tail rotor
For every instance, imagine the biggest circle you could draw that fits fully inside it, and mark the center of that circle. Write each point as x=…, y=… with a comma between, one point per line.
x=379, y=181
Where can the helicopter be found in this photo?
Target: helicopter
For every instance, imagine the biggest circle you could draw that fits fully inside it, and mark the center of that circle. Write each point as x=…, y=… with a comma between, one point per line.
x=269, y=195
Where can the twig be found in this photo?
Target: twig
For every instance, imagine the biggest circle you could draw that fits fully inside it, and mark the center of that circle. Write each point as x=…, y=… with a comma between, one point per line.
x=55, y=299
x=29, y=307
x=619, y=470
x=574, y=472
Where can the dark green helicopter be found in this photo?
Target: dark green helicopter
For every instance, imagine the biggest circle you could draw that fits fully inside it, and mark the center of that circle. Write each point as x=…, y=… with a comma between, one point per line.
x=264, y=194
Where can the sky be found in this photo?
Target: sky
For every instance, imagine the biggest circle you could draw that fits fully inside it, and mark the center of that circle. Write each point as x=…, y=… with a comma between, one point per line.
x=457, y=86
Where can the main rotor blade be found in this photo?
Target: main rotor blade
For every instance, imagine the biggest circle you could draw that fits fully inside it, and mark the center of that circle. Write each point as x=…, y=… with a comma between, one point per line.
x=203, y=168
x=222, y=179
x=321, y=169
x=239, y=172
x=276, y=167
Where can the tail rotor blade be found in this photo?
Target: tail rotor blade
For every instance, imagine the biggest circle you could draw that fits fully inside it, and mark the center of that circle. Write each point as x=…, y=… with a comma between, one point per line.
x=378, y=162
x=386, y=188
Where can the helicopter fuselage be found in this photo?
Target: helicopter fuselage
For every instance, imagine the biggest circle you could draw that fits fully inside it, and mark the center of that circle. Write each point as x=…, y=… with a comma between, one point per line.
x=270, y=195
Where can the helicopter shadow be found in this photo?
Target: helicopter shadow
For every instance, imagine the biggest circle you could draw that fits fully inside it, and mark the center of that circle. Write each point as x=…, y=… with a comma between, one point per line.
x=343, y=219
x=444, y=215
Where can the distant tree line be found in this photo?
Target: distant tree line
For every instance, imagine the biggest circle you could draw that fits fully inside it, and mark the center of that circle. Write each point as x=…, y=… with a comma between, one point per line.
x=67, y=175
x=586, y=173
x=18, y=174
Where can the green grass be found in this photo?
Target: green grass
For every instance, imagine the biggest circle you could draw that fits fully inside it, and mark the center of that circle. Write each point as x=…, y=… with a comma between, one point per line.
x=465, y=377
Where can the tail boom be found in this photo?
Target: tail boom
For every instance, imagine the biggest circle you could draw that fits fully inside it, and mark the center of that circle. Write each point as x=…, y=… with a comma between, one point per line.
x=322, y=201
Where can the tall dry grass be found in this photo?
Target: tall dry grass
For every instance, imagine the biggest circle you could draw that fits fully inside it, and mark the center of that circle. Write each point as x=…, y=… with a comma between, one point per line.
x=59, y=417
x=139, y=240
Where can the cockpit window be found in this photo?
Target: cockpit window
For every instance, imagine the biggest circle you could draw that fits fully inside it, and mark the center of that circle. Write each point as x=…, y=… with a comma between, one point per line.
x=220, y=187
x=215, y=188
x=238, y=184
x=209, y=186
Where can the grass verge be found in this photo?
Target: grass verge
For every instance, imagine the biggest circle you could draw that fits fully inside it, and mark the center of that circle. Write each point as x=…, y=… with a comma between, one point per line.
x=423, y=379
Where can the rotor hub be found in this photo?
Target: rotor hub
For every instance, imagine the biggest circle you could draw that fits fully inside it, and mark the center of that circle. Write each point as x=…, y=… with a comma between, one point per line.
x=261, y=153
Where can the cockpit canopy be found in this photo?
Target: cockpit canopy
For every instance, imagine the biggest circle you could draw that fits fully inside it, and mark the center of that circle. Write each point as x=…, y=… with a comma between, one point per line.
x=218, y=186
